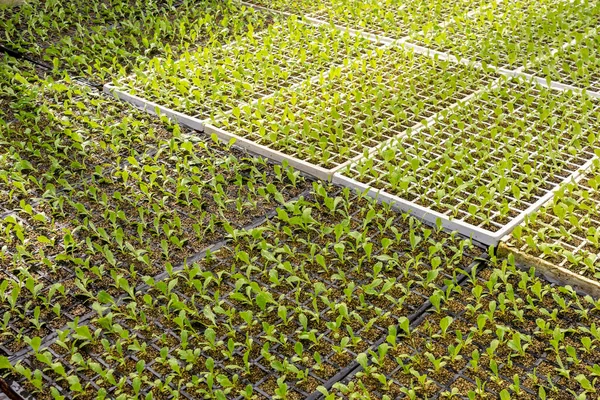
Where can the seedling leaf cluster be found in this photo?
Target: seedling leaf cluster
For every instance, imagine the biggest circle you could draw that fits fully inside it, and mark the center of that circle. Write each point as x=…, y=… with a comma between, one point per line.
x=141, y=258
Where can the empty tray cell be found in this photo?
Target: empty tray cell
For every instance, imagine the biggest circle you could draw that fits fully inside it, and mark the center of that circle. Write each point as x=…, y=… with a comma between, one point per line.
x=330, y=121
x=566, y=230
x=488, y=162
x=394, y=19
x=577, y=65
x=210, y=80
x=511, y=34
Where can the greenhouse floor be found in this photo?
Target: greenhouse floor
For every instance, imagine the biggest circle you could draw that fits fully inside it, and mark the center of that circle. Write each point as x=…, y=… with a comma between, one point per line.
x=333, y=199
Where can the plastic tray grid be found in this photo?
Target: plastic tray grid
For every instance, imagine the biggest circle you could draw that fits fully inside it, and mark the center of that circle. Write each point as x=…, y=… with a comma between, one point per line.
x=559, y=240
x=402, y=89
x=298, y=7
x=393, y=19
x=39, y=262
x=577, y=65
x=283, y=55
x=442, y=156
x=535, y=30
x=291, y=297
x=540, y=367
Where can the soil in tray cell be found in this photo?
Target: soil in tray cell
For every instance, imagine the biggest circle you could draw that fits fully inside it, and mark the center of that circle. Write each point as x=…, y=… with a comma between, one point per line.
x=500, y=339
x=513, y=34
x=491, y=159
x=333, y=120
x=253, y=316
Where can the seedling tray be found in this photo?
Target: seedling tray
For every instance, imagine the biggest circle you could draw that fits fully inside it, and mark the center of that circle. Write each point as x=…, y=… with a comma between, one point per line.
x=414, y=320
x=42, y=266
x=55, y=152
x=393, y=21
x=409, y=172
x=558, y=239
x=557, y=85
x=402, y=99
x=100, y=40
x=574, y=67
x=293, y=7
x=303, y=147
x=299, y=296
x=512, y=34
x=308, y=19
x=553, y=273
x=212, y=81
x=49, y=342
x=525, y=365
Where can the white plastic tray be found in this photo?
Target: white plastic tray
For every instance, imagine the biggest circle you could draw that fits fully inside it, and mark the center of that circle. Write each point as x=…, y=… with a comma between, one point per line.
x=555, y=272
x=151, y=108
x=476, y=233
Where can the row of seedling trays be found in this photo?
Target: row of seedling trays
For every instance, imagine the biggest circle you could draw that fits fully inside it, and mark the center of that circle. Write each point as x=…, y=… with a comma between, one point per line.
x=277, y=308
x=266, y=386
x=353, y=130
x=166, y=205
x=503, y=333
x=341, y=125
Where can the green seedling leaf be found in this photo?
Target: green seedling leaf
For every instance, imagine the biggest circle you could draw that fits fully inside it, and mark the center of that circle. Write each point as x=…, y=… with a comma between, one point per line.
x=363, y=360
x=82, y=333
x=104, y=297
x=4, y=363
x=35, y=343
x=585, y=383
x=264, y=298
x=404, y=324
